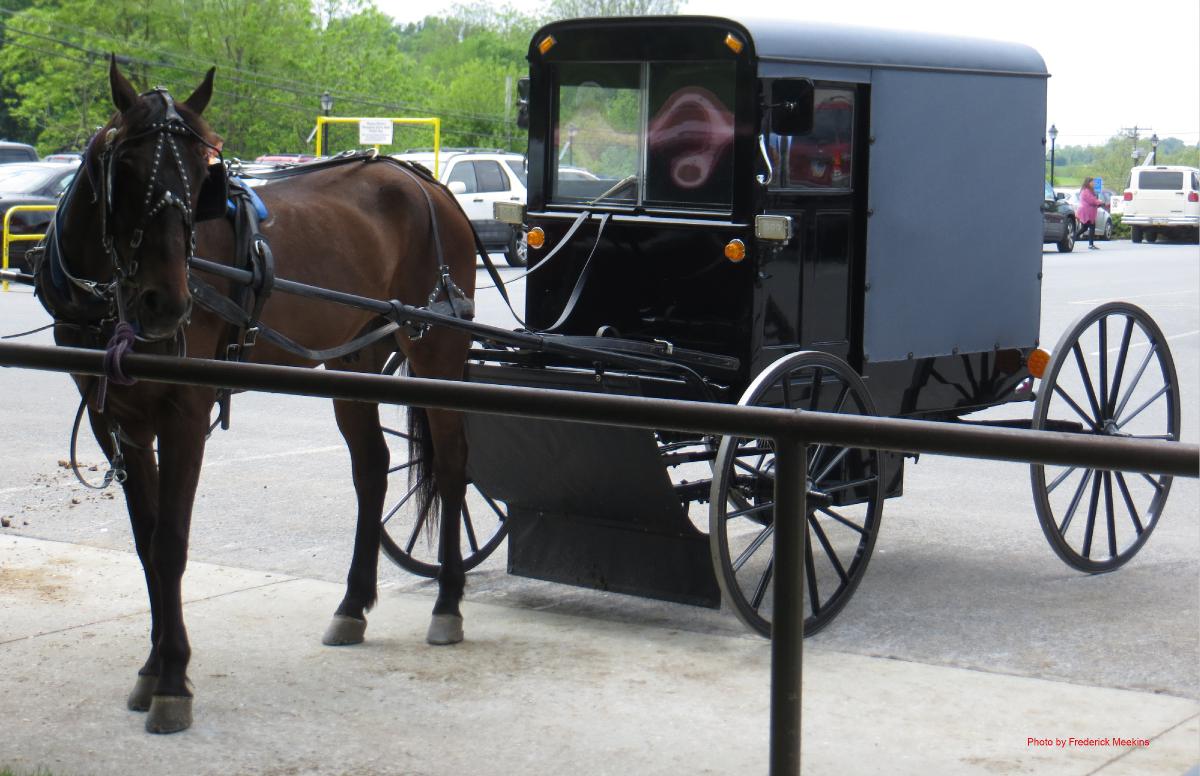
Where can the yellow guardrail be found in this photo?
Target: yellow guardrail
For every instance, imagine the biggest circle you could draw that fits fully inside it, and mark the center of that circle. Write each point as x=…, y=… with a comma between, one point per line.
x=436, y=123
x=9, y=237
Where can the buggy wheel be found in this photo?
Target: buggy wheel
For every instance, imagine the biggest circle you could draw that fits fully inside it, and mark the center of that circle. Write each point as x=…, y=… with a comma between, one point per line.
x=407, y=539
x=844, y=498
x=1112, y=373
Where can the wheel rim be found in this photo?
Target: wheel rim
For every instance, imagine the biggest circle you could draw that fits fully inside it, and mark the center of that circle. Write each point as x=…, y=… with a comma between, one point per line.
x=406, y=539
x=845, y=498
x=1112, y=373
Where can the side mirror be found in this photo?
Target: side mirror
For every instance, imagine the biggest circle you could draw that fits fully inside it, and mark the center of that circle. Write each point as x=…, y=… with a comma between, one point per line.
x=523, y=103
x=457, y=187
x=792, y=107
x=1059, y=195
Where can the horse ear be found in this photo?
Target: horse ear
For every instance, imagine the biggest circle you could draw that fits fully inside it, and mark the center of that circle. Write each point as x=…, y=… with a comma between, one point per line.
x=123, y=93
x=199, y=99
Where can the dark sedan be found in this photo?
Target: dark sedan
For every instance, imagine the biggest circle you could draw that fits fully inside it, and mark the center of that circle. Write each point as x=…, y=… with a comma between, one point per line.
x=1058, y=221
x=31, y=183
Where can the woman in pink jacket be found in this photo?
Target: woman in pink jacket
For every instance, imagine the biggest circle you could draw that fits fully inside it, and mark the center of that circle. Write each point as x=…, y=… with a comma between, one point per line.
x=1088, y=202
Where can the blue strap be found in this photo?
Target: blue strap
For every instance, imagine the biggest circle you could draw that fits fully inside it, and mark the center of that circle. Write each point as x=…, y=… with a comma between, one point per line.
x=260, y=207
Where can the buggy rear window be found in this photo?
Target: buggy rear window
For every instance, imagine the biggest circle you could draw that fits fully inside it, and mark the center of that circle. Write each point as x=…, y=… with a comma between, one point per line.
x=1160, y=180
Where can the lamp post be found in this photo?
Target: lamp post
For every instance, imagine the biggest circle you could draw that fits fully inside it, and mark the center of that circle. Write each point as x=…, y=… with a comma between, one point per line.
x=1154, y=143
x=326, y=107
x=1053, y=137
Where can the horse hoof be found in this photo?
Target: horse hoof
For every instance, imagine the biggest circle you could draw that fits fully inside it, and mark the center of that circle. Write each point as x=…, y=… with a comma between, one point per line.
x=169, y=714
x=344, y=631
x=143, y=693
x=445, y=629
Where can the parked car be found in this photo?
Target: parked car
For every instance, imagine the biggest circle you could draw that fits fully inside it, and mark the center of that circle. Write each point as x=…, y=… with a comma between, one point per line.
x=479, y=179
x=1104, y=224
x=31, y=183
x=64, y=156
x=284, y=158
x=16, y=152
x=1058, y=221
x=1163, y=201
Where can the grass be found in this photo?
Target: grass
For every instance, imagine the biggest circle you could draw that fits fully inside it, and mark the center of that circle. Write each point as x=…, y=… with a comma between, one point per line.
x=6, y=771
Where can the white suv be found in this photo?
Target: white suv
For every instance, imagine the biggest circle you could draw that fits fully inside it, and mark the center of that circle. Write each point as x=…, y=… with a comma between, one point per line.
x=479, y=179
x=1163, y=200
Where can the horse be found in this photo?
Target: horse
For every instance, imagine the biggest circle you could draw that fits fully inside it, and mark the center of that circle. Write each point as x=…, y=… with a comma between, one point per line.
x=119, y=273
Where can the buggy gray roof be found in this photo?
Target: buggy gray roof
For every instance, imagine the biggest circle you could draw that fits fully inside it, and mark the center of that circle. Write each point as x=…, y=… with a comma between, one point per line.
x=786, y=40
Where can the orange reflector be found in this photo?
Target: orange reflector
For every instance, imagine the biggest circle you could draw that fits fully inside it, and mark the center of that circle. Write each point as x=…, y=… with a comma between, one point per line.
x=734, y=43
x=1037, y=362
x=536, y=237
x=546, y=44
x=735, y=250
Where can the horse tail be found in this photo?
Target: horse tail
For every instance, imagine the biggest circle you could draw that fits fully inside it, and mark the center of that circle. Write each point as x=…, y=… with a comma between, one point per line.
x=421, y=474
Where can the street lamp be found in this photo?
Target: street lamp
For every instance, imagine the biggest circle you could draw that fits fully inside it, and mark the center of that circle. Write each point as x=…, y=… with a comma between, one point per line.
x=1053, y=137
x=326, y=107
x=1154, y=143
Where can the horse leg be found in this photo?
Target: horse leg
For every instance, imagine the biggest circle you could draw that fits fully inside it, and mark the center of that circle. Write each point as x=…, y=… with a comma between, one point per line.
x=449, y=467
x=141, y=501
x=181, y=452
x=359, y=424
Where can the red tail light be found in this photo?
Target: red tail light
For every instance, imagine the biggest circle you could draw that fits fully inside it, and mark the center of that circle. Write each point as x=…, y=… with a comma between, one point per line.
x=1127, y=196
x=1193, y=197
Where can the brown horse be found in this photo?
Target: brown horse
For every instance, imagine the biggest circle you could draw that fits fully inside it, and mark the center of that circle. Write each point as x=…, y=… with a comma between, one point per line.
x=125, y=235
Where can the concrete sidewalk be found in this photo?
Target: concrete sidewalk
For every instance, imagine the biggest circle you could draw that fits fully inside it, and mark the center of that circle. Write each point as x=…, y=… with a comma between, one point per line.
x=528, y=693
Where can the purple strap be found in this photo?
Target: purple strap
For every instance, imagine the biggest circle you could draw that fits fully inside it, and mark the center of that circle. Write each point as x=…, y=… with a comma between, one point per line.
x=120, y=344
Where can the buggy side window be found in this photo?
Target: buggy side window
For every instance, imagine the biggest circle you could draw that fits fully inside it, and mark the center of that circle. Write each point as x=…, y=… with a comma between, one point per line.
x=823, y=158
x=464, y=174
x=490, y=177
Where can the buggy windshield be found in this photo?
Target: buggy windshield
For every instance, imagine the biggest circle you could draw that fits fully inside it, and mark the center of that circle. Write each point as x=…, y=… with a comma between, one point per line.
x=644, y=133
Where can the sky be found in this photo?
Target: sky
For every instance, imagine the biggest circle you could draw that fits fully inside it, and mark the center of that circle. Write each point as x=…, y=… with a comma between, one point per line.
x=1113, y=65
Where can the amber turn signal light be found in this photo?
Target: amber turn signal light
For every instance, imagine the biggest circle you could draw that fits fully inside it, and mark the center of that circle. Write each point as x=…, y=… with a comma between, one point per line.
x=536, y=237
x=735, y=250
x=1037, y=362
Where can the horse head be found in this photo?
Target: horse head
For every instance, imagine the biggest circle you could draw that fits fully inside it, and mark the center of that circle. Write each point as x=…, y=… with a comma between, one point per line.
x=149, y=165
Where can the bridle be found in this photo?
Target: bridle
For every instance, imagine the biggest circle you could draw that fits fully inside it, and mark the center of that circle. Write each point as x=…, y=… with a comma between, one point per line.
x=158, y=196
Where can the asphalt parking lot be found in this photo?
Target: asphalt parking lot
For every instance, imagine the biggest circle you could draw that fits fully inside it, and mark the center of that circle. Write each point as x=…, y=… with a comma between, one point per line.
x=964, y=609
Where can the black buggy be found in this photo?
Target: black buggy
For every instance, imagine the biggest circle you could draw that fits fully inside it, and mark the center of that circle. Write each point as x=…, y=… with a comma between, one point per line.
x=782, y=214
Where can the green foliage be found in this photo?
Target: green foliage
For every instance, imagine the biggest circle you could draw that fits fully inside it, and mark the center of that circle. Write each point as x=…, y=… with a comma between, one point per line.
x=1113, y=160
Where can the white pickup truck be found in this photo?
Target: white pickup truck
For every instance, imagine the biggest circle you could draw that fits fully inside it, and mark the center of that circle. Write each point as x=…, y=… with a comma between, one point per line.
x=1163, y=200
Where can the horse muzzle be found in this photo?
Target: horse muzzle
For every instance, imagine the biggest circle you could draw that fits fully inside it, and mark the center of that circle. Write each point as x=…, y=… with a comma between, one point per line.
x=161, y=315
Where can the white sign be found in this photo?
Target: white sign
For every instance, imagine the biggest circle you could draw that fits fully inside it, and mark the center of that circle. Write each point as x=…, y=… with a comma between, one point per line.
x=375, y=132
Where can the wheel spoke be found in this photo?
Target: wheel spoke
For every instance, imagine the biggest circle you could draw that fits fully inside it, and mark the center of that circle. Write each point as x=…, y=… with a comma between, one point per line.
x=1145, y=404
x=833, y=463
x=412, y=539
x=763, y=583
x=1137, y=378
x=491, y=502
x=469, y=528
x=391, y=513
x=1087, y=384
x=1133, y=513
x=1111, y=515
x=1059, y=479
x=1153, y=482
x=815, y=389
x=1091, y=520
x=763, y=535
x=1062, y=529
x=1103, y=376
x=844, y=521
x=1115, y=393
x=754, y=510
x=848, y=485
x=810, y=571
x=402, y=467
x=1078, y=410
x=829, y=551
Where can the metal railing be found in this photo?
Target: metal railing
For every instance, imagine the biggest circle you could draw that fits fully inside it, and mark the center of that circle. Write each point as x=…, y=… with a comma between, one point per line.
x=9, y=237
x=791, y=431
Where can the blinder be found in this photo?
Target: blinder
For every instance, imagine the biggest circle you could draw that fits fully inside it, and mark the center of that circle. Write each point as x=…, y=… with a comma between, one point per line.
x=214, y=194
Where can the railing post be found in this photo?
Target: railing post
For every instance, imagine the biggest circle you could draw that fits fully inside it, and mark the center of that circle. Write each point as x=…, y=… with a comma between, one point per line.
x=787, y=632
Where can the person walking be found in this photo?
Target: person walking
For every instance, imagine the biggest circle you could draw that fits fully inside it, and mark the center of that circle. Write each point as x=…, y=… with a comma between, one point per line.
x=1088, y=202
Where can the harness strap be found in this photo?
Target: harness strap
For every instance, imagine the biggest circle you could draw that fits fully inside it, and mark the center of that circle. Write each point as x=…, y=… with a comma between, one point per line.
x=577, y=291
x=220, y=305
